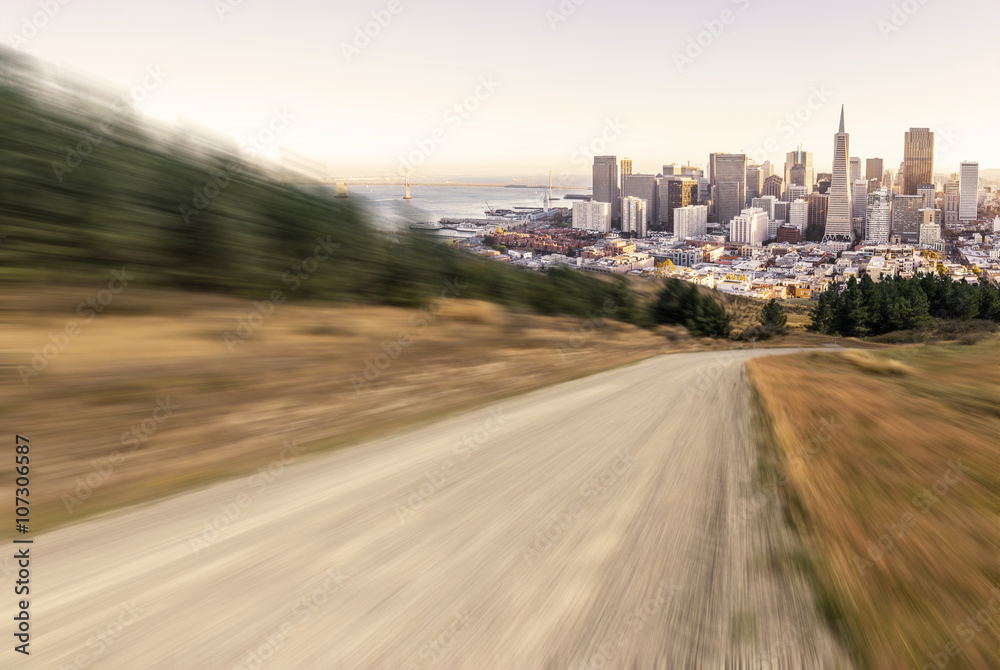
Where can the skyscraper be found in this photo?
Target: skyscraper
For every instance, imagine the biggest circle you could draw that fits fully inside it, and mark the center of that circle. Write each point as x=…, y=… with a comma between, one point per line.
x=798, y=215
x=803, y=158
x=906, y=217
x=626, y=170
x=606, y=183
x=918, y=159
x=645, y=186
x=728, y=179
x=749, y=227
x=873, y=170
x=968, y=191
x=951, y=190
x=634, y=216
x=838, y=218
x=929, y=194
x=859, y=206
x=855, y=169
x=818, y=206
x=879, y=217
x=766, y=170
x=772, y=186
x=755, y=180
x=676, y=192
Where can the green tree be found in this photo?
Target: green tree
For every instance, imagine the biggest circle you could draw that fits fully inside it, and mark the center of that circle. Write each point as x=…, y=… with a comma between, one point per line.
x=773, y=314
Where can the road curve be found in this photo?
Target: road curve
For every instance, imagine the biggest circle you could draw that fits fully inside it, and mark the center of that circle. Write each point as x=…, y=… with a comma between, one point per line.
x=608, y=522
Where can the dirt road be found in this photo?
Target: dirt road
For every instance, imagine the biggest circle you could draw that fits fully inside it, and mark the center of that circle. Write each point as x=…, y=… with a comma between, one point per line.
x=608, y=522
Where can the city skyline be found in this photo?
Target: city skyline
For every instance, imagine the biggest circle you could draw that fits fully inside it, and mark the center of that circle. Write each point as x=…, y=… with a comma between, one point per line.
x=520, y=111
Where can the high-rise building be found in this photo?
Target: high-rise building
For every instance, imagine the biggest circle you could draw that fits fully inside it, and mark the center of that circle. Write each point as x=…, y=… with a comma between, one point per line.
x=645, y=186
x=818, y=206
x=951, y=191
x=749, y=227
x=690, y=221
x=634, y=216
x=765, y=203
x=755, y=180
x=918, y=159
x=930, y=234
x=728, y=173
x=675, y=192
x=803, y=158
x=592, y=215
x=626, y=169
x=859, y=206
x=782, y=211
x=855, y=172
x=838, y=218
x=766, y=169
x=798, y=215
x=929, y=193
x=793, y=193
x=772, y=186
x=878, y=225
x=606, y=183
x=906, y=217
x=873, y=170
x=968, y=191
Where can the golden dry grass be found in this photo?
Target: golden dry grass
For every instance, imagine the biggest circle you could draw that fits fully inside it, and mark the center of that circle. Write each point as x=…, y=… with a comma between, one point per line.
x=889, y=462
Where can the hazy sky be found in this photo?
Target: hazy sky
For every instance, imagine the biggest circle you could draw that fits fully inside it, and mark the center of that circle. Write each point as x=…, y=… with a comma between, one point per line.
x=557, y=76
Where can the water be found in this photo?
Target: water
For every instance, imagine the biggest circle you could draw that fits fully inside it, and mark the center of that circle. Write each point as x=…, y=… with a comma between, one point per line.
x=431, y=203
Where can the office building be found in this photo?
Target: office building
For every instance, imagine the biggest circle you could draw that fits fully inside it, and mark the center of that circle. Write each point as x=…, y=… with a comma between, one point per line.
x=675, y=192
x=874, y=168
x=906, y=217
x=605, y=183
x=951, y=191
x=690, y=221
x=749, y=227
x=634, y=216
x=782, y=211
x=755, y=181
x=592, y=215
x=855, y=169
x=805, y=159
x=793, y=193
x=645, y=186
x=859, y=206
x=838, y=218
x=728, y=174
x=765, y=203
x=818, y=206
x=968, y=191
x=929, y=194
x=772, y=186
x=878, y=224
x=798, y=215
x=918, y=160
x=766, y=170
x=930, y=234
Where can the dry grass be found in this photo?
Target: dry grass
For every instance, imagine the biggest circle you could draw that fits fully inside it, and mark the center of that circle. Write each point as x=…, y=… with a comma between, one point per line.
x=889, y=463
x=291, y=380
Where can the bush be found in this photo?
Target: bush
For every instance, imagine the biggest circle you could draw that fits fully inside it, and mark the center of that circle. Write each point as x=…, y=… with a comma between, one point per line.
x=683, y=303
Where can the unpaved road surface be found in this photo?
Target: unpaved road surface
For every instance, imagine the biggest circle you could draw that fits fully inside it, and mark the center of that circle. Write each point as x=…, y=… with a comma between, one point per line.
x=608, y=522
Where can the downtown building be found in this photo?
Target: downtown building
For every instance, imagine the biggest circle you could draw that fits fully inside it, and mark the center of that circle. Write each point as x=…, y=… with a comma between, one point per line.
x=968, y=191
x=878, y=225
x=918, y=159
x=907, y=217
x=728, y=174
x=749, y=227
x=874, y=169
x=772, y=186
x=798, y=215
x=676, y=192
x=606, y=183
x=634, y=216
x=859, y=206
x=690, y=221
x=808, y=174
x=951, y=190
x=839, y=224
x=592, y=215
x=645, y=186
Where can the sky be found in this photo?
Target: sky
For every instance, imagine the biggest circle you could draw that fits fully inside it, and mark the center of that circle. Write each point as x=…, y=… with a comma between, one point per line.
x=527, y=86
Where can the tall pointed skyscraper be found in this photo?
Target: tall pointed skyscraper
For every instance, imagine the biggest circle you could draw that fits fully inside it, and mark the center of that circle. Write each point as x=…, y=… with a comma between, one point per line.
x=838, y=217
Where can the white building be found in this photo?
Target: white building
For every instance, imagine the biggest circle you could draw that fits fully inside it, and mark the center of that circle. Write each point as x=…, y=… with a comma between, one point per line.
x=799, y=215
x=592, y=216
x=879, y=219
x=794, y=192
x=749, y=227
x=690, y=221
x=968, y=191
x=929, y=234
x=634, y=216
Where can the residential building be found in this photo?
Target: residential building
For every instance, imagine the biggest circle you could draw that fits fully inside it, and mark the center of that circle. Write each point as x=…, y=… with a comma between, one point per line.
x=968, y=191
x=749, y=227
x=634, y=216
x=906, y=217
x=878, y=223
x=690, y=221
x=592, y=215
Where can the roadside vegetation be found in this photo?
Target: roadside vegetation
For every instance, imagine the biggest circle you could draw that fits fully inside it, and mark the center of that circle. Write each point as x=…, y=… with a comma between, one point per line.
x=887, y=462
